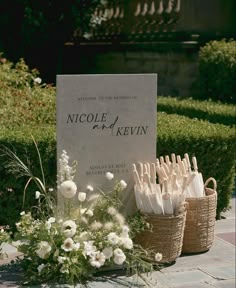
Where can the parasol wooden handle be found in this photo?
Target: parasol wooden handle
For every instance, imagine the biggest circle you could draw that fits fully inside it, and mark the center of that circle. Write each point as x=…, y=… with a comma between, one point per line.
x=214, y=183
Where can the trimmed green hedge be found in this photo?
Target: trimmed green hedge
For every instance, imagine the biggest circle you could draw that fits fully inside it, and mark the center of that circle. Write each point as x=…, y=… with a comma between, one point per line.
x=217, y=69
x=22, y=99
x=212, y=144
x=205, y=110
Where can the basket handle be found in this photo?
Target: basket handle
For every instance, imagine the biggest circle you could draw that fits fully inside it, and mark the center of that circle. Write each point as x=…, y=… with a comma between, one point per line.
x=209, y=180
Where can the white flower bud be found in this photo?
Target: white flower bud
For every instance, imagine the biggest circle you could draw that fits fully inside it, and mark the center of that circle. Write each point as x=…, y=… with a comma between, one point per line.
x=123, y=184
x=90, y=188
x=109, y=175
x=38, y=80
x=37, y=194
x=81, y=196
x=68, y=189
x=158, y=257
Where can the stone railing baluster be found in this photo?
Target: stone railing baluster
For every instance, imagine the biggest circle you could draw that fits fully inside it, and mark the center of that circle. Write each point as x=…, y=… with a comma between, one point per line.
x=136, y=19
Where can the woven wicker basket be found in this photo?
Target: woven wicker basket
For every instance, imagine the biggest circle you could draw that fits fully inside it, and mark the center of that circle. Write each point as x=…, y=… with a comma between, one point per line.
x=200, y=221
x=166, y=236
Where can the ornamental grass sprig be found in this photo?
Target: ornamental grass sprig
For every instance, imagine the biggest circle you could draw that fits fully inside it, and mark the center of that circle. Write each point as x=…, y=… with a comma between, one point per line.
x=19, y=168
x=74, y=246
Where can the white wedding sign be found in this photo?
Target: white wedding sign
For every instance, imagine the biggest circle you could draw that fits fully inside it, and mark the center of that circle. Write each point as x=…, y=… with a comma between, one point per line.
x=106, y=123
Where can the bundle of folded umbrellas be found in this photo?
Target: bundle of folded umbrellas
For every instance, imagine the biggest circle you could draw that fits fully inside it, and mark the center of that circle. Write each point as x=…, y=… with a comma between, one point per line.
x=177, y=180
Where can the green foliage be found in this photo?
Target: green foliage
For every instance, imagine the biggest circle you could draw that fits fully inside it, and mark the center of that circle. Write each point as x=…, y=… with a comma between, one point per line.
x=41, y=28
x=46, y=16
x=12, y=187
x=205, y=110
x=70, y=244
x=28, y=108
x=217, y=70
x=212, y=144
x=22, y=99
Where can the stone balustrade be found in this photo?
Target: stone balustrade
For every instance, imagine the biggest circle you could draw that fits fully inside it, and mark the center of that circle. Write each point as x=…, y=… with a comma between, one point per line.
x=134, y=20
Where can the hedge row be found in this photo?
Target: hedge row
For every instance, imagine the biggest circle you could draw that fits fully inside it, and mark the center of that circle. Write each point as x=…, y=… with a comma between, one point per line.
x=217, y=69
x=212, y=144
x=23, y=99
x=28, y=108
x=205, y=110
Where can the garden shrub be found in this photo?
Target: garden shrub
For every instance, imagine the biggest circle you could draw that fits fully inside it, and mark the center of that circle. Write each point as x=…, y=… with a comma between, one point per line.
x=206, y=110
x=11, y=187
x=28, y=108
x=212, y=144
x=23, y=99
x=217, y=70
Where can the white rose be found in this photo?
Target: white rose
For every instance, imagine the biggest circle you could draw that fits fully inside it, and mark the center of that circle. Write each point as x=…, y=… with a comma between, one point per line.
x=126, y=242
x=81, y=196
x=108, y=252
x=109, y=175
x=68, y=189
x=68, y=245
x=119, y=256
x=123, y=184
x=89, y=248
x=69, y=228
x=113, y=238
x=44, y=249
x=97, y=259
x=158, y=257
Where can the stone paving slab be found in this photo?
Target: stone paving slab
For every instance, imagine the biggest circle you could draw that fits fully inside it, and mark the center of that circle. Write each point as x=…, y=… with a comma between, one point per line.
x=225, y=225
x=224, y=284
x=211, y=269
x=220, y=272
x=221, y=252
x=190, y=277
x=228, y=237
x=218, y=284
x=197, y=270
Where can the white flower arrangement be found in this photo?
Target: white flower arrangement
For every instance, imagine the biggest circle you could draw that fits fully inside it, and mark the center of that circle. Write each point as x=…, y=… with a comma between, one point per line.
x=71, y=247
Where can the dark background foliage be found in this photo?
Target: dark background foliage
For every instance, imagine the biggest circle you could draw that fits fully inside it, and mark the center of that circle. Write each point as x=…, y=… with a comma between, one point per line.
x=37, y=30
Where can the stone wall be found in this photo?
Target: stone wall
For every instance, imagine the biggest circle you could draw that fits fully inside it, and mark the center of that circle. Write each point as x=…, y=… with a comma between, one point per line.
x=175, y=63
x=152, y=36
